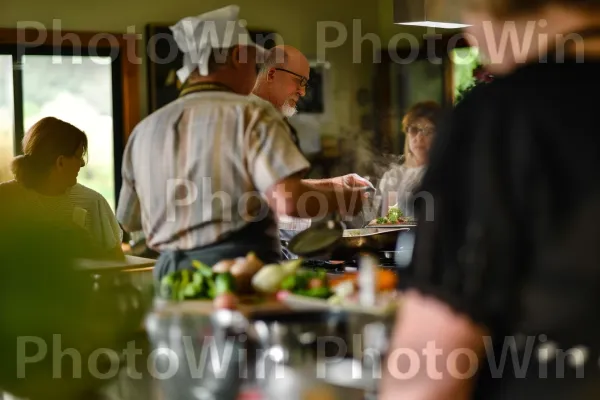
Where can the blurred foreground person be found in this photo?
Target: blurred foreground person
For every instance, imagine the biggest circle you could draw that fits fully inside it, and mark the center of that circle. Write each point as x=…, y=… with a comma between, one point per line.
x=507, y=274
x=51, y=320
x=46, y=183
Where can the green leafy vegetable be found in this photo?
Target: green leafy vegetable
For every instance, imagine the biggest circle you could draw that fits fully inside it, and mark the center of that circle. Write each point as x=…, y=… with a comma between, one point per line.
x=204, y=269
x=224, y=283
x=200, y=283
x=169, y=285
x=191, y=291
x=320, y=292
x=308, y=283
x=394, y=215
x=289, y=283
x=211, y=289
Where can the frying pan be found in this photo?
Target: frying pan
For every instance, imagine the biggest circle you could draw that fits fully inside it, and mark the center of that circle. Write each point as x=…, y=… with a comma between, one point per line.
x=355, y=241
x=337, y=243
x=329, y=238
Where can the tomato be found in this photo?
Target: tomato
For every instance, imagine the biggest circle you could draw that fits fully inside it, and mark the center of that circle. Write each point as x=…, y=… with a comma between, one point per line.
x=226, y=300
x=282, y=294
x=315, y=283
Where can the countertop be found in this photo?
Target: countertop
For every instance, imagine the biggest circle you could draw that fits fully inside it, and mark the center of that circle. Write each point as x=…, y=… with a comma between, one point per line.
x=129, y=264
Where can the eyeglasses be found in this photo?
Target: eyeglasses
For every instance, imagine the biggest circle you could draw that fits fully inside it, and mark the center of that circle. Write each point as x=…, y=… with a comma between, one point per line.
x=303, y=80
x=414, y=130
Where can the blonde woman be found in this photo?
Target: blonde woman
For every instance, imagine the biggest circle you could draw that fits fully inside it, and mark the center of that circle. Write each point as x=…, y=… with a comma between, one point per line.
x=399, y=183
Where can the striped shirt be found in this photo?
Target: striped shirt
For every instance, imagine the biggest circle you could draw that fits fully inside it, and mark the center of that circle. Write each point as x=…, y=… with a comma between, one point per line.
x=285, y=222
x=80, y=205
x=195, y=171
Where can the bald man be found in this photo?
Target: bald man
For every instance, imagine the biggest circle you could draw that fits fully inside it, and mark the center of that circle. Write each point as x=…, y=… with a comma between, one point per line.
x=281, y=82
x=283, y=79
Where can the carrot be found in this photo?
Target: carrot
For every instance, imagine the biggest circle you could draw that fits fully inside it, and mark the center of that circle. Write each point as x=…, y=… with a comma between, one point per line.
x=386, y=279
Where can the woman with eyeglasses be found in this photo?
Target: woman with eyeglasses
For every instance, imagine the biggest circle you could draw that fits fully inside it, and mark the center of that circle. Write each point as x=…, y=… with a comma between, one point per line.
x=399, y=184
x=46, y=184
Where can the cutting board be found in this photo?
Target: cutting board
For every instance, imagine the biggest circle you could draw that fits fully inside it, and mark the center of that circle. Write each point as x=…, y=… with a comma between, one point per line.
x=247, y=305
x=127, y=264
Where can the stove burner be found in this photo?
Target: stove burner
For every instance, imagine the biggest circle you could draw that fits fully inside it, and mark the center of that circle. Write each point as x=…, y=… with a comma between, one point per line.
x=341, y=267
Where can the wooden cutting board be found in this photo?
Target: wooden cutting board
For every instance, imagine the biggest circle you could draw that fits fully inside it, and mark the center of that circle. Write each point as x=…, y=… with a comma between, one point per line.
x=247, y=305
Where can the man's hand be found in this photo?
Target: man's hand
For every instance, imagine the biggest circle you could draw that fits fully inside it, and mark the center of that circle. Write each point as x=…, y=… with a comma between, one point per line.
x=353, y=200
x=315, y=198
x=356, y=192
x=352, y=180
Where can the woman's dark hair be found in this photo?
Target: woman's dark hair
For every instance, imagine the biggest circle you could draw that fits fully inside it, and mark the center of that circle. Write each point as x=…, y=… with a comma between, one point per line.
x=429, y=110
x=47, y=140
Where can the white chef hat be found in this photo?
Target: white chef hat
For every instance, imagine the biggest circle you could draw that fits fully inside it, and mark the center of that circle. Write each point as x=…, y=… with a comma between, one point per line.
x=197, y=36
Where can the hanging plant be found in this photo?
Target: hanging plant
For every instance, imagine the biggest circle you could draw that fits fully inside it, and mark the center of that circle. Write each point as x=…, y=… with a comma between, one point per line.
x=481, y=76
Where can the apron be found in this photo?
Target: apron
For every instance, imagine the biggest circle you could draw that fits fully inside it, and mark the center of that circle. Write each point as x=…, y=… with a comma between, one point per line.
x=259, y=237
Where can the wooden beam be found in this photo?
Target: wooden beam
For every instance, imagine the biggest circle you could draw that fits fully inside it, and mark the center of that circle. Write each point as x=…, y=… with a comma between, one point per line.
x=130, y=81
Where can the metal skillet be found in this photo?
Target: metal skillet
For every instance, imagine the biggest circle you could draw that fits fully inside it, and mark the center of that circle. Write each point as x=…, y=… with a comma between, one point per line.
x=332, y=241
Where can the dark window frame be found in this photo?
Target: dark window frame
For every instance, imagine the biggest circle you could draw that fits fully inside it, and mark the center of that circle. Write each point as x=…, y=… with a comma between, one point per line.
x=125, y=79
x=430, y=47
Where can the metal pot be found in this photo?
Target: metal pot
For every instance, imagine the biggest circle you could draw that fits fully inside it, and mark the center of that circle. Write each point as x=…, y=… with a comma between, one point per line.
x=205, y=351
x=254, y=345
x=299, y=335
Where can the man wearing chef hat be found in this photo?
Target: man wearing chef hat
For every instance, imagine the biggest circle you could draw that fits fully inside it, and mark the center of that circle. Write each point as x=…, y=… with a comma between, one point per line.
x=205, y=176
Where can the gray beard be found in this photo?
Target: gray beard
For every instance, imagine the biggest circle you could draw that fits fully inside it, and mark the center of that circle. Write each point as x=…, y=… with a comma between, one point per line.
x=288, y=111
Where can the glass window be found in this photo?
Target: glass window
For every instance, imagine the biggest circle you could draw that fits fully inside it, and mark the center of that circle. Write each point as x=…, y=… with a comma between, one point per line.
x=464, y=62
x=77, y=90
x=6, y=117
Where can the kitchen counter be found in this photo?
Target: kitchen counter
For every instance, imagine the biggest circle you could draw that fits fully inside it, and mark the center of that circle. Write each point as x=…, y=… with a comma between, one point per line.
x=138, y=374
x=129, y=264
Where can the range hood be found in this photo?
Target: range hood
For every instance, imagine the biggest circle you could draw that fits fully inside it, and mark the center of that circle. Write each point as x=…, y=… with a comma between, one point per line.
x=429, y=13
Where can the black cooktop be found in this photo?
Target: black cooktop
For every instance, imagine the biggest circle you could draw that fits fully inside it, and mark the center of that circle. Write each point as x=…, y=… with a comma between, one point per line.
x=341, y=267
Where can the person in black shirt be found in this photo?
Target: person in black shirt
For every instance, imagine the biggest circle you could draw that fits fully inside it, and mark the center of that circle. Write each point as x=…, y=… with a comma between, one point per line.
x=502, y=304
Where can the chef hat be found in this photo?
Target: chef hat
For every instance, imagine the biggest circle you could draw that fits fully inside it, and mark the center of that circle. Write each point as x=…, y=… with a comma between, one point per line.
x=197, y=36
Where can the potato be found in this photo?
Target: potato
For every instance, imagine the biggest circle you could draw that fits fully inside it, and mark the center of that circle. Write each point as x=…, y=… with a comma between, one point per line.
x=249, y=266
x=238, y=266
x=223, y=266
